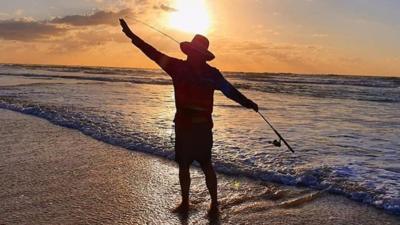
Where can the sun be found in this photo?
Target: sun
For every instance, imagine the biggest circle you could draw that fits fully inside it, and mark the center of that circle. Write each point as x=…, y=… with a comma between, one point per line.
x=190, y=16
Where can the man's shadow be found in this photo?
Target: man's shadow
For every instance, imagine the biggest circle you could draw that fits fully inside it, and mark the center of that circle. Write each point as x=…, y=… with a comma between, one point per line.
x=213, y=217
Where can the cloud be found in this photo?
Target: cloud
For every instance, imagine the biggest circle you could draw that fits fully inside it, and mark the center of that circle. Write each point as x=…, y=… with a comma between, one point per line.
x=320, y=35
x=27, y=30
x=4, y=16
x=19, y=12
x=97, y=18
x=291, y=55
x=166, y=8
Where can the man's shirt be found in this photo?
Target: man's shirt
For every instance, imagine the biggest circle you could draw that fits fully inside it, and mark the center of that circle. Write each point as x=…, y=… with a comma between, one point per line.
x=194, y=88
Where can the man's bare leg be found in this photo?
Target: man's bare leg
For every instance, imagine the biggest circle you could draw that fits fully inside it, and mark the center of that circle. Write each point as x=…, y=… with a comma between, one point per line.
x=211, y=181
x=184, y=179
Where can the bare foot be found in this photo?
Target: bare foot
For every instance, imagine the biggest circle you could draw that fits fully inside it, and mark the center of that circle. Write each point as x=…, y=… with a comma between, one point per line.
x=182, y=208
x=214, y=209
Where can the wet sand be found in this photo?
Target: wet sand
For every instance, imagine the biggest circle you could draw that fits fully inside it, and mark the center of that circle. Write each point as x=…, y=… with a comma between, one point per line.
x=55, y=175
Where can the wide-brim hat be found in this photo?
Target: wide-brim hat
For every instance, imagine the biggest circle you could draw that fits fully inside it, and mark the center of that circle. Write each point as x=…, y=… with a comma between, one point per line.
x=199, y=44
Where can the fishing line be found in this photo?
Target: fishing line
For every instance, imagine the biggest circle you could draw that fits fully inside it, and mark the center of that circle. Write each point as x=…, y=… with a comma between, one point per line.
x=155, y=29
x=163, y=33
x=275, y=142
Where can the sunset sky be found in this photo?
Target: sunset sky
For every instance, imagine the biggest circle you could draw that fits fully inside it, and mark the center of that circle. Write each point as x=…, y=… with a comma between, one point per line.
x=299, y=36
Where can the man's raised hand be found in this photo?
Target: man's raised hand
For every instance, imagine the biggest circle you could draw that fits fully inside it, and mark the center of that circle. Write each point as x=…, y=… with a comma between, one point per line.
x=254, y=106
x=125, y=28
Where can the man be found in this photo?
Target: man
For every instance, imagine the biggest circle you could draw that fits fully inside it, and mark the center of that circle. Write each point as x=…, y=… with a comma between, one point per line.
x=194, y=84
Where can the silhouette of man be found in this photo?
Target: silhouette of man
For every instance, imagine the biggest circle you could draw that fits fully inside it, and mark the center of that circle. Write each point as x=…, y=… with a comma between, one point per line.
x=194, y=84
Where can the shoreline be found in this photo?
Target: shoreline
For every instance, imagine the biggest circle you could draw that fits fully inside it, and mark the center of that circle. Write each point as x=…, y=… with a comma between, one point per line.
x=55, y=175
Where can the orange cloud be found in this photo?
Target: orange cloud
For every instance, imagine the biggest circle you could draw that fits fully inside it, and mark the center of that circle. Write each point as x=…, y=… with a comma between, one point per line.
x=29, y=30
x=97, y=18
x=25, y=30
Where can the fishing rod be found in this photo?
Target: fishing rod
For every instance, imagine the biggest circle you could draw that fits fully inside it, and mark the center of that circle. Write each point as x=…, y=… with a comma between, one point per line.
x=276, y=142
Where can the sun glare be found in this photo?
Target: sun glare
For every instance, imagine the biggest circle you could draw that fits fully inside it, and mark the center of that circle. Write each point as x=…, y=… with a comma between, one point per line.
x=190, y=16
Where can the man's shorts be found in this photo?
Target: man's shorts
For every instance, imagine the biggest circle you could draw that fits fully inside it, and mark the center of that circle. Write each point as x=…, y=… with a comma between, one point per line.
x=193, y=143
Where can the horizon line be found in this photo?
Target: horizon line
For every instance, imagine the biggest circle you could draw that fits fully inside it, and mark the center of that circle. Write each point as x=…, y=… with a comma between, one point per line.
x=224, y=71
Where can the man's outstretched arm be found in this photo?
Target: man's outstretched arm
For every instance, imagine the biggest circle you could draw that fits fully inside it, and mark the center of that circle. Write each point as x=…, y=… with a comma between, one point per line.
x=147, y=49
x=231, y=92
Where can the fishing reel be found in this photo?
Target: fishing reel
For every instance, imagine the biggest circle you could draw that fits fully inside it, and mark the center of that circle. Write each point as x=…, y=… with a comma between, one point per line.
x=276, y=143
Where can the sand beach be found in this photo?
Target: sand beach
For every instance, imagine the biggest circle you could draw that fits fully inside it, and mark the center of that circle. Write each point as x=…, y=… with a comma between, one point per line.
x=54, y=175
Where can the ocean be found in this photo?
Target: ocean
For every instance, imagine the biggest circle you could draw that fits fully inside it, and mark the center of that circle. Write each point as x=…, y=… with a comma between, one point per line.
x=345, y=129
